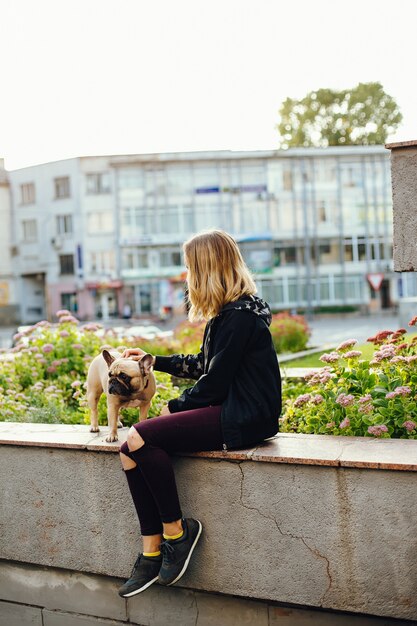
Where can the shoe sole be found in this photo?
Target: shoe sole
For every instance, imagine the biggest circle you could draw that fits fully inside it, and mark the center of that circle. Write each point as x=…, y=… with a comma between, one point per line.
x=182, y=572
x=133, y=593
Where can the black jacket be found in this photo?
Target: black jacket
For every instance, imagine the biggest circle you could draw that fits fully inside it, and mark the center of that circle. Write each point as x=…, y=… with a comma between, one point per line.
x=238, y=369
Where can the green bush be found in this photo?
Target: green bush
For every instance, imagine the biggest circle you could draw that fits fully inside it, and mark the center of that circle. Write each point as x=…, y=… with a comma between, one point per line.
x=290, y=333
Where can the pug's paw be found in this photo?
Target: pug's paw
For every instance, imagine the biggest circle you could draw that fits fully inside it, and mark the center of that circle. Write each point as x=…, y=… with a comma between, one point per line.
x=111, y=437
x=94, y=429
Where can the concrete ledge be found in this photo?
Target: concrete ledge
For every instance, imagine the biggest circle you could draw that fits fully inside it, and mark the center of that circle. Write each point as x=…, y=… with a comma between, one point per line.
x=283, y=522
x=360, y=452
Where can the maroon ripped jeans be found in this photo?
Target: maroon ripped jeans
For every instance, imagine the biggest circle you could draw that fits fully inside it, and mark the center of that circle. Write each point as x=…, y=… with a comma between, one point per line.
x=152, y=481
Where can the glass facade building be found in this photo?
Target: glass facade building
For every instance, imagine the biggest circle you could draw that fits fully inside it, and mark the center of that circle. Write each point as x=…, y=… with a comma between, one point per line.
x=95, y=234
x=312, y=223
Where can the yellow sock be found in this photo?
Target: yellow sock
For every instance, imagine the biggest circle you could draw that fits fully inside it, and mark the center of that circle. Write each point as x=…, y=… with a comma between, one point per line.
x=174, y=536
x=152, y=553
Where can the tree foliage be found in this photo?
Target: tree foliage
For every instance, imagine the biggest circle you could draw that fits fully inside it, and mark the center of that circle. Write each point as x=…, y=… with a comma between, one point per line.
x=363, y=115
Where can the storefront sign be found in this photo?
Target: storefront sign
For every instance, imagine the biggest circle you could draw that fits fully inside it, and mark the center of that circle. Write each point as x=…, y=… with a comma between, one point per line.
x=111, y=284
x=238, y=189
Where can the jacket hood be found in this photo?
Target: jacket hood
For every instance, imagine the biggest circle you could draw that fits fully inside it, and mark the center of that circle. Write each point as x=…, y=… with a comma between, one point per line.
x=253, y=304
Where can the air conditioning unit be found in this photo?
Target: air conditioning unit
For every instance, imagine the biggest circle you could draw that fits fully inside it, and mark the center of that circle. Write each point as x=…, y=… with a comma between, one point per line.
x=57, y=242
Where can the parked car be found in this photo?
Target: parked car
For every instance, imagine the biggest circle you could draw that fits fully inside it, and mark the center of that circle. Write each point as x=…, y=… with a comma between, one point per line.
x=147, y=332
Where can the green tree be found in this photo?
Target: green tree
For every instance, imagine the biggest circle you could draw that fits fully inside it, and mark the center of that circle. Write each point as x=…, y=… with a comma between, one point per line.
x=363, y=115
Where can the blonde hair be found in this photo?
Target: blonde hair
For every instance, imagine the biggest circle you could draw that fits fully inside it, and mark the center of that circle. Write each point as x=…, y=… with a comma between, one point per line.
x=217, y=273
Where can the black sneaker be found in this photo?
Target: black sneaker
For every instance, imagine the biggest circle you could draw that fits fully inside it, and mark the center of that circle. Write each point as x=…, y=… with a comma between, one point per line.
x=176, y=553
x=144, y=574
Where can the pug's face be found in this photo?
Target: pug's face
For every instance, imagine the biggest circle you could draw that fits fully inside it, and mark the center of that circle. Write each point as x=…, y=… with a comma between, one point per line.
x=128, y=378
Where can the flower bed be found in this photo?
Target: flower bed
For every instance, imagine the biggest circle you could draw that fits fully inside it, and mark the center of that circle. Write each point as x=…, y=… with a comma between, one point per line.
x=352, y=396
x=45, y=381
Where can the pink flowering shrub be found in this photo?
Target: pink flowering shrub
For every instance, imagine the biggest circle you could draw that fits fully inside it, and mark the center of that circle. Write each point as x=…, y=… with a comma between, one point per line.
x=370, y=398
x=290, y=333
x=189, y=336
x=45, y=379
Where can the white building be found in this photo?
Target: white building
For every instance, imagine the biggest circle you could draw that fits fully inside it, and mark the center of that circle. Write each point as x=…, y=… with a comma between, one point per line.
x=93, y=233
x=9, y=309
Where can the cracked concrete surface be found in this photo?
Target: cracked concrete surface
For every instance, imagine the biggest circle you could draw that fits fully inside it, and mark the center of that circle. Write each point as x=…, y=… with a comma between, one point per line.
x=292, y=536
x=297, y=534
x=404, y=189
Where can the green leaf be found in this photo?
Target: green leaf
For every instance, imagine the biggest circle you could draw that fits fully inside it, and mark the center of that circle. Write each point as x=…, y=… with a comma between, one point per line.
x=380, y=402
x=381, y=390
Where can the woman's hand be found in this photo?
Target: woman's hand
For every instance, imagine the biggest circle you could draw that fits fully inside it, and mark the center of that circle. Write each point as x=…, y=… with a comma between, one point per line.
x=133, y=353
x=165, y=410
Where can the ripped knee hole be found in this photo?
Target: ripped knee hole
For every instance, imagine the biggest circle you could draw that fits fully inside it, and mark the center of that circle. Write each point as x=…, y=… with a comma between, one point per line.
x=134, y=440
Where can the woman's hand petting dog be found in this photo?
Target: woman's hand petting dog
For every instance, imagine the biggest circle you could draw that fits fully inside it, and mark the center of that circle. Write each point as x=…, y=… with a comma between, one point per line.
x=133, y=353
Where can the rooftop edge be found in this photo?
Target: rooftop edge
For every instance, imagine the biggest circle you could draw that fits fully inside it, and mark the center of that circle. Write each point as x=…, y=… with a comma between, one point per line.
x=401, y=144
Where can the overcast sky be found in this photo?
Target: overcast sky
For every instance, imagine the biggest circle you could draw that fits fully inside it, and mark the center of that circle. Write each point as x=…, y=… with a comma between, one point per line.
x=83, y=77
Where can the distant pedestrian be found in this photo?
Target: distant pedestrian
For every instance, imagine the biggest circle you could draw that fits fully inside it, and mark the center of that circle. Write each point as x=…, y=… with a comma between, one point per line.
x=127, y=311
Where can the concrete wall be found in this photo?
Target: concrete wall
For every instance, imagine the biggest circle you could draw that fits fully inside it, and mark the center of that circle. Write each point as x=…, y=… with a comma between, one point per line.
x=294, y=528
x=56, y=597
x=404, y=196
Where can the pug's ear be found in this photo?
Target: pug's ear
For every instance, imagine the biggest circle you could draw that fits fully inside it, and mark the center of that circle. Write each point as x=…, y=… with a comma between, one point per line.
x=108, y=357
x=145, y=364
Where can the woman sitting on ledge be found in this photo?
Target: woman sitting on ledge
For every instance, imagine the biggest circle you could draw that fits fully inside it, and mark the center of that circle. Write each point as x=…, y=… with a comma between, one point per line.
x=235, y=402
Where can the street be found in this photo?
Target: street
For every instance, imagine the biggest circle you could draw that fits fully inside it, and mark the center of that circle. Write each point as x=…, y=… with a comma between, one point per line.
x=325, y=330
x=335, y=329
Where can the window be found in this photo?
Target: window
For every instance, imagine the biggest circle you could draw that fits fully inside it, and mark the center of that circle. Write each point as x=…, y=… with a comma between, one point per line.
x=62, y=187
x=324, y=289
x=69, y=302
x=290, y=255
x=348, y=252
x=142, y=259
x=273, y=292
x=131, y=178
x=98, y=183
x=135, y=260
x=102, y=262
x=64, y=224
x=27, y=193
x=29, y=230
x=128, y=260
x=287, y=180
x=321, y=212
x=66, y=264
x=352, y=175
x=169, y=258
x=100, y=222
x=362, y=251
x=277, y=257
